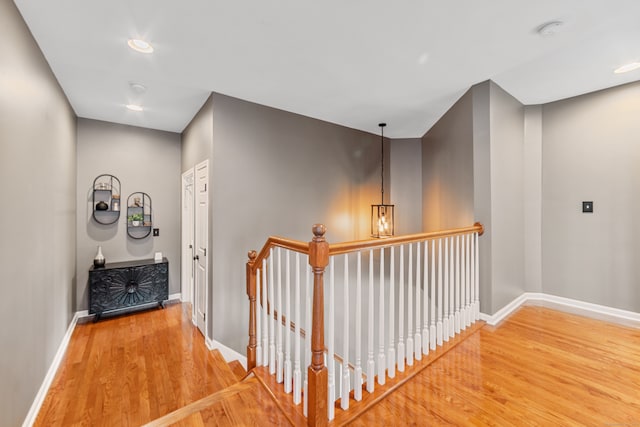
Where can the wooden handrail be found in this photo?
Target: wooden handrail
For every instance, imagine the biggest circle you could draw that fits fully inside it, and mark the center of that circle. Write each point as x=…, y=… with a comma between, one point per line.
x=275, y=241
x=346, y=247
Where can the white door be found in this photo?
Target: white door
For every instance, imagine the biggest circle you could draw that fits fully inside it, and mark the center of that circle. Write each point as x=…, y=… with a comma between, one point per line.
x=201, y=244
x=188, y=241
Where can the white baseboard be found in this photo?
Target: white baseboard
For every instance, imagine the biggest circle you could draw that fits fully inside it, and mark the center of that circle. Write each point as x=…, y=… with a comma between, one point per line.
x=174, y=297
x=229, y=354
x=51, y=373
x=504, y=312
x=595, y=311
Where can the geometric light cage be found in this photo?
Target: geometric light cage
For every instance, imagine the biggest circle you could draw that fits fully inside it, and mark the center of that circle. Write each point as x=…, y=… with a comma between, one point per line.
x=382, y=221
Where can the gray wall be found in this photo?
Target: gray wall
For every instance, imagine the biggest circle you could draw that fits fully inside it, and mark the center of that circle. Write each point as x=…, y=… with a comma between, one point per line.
x=143, y=160
x=591, y=152
x=481, y=99
x=507, y=198
x=37, y=243
x=277, y=173
x=406, y=184
x=197, y=138
x=447, y=169
x=532, y=176
x=472, y=170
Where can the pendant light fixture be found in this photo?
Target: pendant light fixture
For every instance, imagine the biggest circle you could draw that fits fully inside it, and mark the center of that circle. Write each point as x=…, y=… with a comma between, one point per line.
x=382, y=215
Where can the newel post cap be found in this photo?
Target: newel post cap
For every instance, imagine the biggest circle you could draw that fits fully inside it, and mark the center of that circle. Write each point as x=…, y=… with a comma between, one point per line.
x=318, y=247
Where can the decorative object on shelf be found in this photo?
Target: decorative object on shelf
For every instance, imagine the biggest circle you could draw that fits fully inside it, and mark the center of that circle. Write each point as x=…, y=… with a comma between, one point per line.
x=99, y=261
x=115, y=202
x=106, y=199
x=127, y=286
x=139, y=215
x=382, y=216
x=135, y=219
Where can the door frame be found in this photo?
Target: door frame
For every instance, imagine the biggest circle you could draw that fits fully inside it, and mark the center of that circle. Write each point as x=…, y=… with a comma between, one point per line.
x=187, y=282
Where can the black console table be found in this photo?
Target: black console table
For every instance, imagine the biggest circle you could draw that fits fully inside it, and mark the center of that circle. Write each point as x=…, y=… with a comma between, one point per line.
x=126, y=286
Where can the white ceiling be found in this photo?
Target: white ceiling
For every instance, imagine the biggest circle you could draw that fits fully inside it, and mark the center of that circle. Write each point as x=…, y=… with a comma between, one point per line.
x=350, y=62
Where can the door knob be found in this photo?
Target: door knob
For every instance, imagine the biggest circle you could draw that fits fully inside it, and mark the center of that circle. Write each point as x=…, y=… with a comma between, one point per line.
x=195, y=258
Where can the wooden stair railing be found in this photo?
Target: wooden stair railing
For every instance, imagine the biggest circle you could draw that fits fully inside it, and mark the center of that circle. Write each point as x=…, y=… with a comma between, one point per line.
x=319, y=252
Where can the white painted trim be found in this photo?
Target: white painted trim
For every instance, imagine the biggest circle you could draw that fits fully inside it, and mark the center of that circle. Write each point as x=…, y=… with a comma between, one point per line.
x=83, y=314
x=51, y=373
x=595, y=311
x=504, y=312
x=229, y=354
x=174, y=297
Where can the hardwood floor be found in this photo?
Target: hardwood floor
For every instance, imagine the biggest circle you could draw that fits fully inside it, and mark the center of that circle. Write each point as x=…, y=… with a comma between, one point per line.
x=132, y=369
x=539, y=367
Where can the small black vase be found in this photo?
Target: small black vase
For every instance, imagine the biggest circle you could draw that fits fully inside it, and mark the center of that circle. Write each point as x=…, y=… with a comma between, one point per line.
x=102, y=206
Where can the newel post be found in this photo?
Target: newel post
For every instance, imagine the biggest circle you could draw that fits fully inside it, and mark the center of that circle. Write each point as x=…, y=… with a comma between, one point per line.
x=317, y=372
x=251, y=293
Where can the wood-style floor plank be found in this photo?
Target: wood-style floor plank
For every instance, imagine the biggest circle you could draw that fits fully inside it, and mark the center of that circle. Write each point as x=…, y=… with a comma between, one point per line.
x=129, y=370
x=539, y=367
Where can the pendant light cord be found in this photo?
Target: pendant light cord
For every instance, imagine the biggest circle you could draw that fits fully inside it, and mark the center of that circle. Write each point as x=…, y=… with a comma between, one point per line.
x=382, y=125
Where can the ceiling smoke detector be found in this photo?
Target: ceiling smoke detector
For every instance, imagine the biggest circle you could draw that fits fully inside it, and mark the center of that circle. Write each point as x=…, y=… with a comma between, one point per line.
x=137, y=87
x=549, y=28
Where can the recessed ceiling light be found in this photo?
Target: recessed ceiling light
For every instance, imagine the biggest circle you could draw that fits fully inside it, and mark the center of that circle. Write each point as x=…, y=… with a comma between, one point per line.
x=549, y=28
x=628, y=67
x=134, y=107
x=140, y=45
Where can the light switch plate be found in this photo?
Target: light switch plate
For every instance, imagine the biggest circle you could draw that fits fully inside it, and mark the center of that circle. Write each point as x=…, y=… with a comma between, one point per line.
x=156, y=232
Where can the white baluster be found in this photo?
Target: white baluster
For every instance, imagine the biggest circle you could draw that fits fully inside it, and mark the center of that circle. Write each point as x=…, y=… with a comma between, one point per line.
x=370, y=362
x=439, y=323
x=272, y=320
x=463, y=283
x=472, y=280
x=457, y=313
x=258, y=318
x=400, y=355
x=445, y=307
x=425, y=302
x=330, y=346
x=307, y=341
x=391, y=358
x=265, y=316
x=477, y=272
x=288, y=380
x=382, y=364
x=357, y=373
x=297, y=374
x=346, y=381
x=452, y=285
x=467, y=292
x=279, y=350
x=338, y=386
x=432, y=325
x=410, y=346
x=417, y=338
